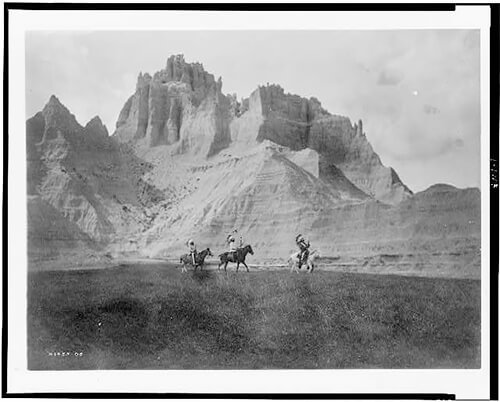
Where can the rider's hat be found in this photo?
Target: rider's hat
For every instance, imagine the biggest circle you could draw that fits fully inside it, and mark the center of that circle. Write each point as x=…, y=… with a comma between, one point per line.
x=298, y=237
x=191, y=241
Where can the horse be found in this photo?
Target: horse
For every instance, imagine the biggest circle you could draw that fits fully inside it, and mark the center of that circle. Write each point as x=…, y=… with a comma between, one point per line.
x=294, y=261
x=199, y=259
x=238, y=257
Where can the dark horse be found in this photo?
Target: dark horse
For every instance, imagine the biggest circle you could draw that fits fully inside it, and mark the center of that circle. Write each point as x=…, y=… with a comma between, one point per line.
x=238, y=257
x=199, y=259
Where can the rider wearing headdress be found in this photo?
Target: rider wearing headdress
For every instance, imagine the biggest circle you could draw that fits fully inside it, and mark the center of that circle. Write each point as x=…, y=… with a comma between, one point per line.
x=303, y=245
x=192, y=250
x=231, y=241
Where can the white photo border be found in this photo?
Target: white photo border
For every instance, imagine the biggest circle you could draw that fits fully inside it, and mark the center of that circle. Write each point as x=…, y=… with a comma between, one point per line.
x=466, y=384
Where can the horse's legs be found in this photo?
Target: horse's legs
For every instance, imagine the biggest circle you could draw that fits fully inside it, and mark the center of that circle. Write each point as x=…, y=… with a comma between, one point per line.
x=246, y=266
x=237, y=266
x=225, y=266
x=183, y=268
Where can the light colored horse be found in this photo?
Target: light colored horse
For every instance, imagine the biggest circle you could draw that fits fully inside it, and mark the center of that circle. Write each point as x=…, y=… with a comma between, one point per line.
x=294, y=260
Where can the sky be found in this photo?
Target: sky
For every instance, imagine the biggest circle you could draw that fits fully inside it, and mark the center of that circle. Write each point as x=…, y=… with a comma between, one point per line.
x=416, y=91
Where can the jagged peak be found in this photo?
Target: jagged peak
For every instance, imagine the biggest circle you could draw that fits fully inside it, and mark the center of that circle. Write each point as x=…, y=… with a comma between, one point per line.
x=55, y=110
x=358, y=127
x=96, y=125
x=143, y=80
x=278, y=89
x=176, y=57
x=272, y=90
x=273, y=85
x=176, y=64
x=54, y=100
x=177, y=70
x=179, y=58
x=397, y=180
x=55, y=104
x=95, y=120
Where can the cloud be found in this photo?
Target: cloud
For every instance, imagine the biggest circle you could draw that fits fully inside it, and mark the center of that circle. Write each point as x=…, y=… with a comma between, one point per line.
x=420, y=146
x=429, y=109
x=448, y=145
x=390, y=77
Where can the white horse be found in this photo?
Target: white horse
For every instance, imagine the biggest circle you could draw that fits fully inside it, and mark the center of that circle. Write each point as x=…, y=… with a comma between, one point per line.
x=294, y=261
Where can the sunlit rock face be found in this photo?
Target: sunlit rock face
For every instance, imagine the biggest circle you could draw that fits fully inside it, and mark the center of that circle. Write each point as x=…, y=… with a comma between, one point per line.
x=300, y=123
x=181, y=105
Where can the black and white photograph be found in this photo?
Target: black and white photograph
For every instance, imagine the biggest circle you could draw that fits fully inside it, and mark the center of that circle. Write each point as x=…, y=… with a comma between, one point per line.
x=270, y=200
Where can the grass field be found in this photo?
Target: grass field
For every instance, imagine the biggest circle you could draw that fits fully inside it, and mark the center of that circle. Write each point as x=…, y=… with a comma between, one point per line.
x=154, y=317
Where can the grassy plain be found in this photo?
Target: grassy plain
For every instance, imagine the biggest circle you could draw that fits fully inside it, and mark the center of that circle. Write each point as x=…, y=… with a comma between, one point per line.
x=154, y=317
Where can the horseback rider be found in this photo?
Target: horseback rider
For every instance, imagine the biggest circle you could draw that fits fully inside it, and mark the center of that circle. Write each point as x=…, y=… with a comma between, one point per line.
x=303, y=245
x=192, y=250
x=231, y=241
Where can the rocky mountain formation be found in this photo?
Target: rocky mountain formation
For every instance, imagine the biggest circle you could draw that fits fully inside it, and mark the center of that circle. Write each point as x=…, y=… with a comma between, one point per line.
x=183, y=105
x=82, y=185
x=187, y=161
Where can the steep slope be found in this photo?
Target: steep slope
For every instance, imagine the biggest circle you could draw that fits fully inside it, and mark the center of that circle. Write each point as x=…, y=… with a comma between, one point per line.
x=346, y=147
x=53, y=239
x=300, y=123
x=262, y=193
x=85, y=177
x=270, y=193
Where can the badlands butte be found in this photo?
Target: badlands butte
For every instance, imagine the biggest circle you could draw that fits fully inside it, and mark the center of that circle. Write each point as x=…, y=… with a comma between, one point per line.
x=187, y=161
